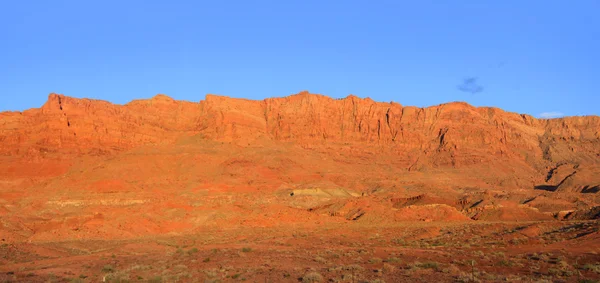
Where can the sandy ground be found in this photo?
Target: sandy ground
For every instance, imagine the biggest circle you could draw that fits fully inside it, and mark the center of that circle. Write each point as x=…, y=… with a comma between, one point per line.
x=345, y=252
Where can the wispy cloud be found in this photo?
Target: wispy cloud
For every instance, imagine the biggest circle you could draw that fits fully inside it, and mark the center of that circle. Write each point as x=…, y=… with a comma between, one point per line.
x=550, y=115
x=470, y=85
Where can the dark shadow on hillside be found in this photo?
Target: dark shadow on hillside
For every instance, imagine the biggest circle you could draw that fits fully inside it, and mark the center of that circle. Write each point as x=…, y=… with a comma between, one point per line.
x=590, y=190
x=546, y=188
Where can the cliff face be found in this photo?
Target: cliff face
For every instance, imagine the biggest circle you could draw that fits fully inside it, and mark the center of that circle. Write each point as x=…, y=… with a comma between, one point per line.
x=453, y=135
x=83, y=126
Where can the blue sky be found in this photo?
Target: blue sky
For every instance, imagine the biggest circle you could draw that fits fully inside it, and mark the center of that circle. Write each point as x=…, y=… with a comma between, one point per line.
x=527, y=56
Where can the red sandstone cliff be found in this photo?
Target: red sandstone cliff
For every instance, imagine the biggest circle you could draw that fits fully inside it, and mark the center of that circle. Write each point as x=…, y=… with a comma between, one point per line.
x=453, y=135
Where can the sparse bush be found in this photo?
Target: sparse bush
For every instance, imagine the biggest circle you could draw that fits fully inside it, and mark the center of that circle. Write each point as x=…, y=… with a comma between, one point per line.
x=354, y=267
x=466, y=277
x=108, y=268
x=388, y=268
x=592, y=267
x=246, y=249
x=563, y=265
x=206, y=259
x=426, y=265
x=554, y=271
x=320, y=260
x=192, y=251
x=312, y=277
x=393, y=260
x=211, y=273
x=559, y=272
x=518, y=241
x=505, y=263
x=499, y=254
x=117, y=278
x=375, y=260
x=430, y=265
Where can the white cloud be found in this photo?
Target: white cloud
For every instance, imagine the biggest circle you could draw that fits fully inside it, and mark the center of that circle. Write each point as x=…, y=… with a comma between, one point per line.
x=550, y=115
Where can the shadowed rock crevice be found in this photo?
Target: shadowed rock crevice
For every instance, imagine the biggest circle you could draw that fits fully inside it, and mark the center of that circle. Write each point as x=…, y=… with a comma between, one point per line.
x=590, y=189
x=549, y=188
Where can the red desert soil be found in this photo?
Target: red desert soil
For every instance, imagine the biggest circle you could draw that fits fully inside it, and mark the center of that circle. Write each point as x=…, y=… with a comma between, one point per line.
x=300, y=188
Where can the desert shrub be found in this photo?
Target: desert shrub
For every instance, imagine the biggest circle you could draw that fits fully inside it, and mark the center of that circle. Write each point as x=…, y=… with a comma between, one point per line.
x=466, y=277
x=518, y=241
x=375, y=260
x=108, y=268
x=347, y=277
x=320, y=260
x=559, y=272
x=117, y=278
x=505, y=263
x=211, y=273
x=388, y=268
x=592, y=267
x=192, y=251
x=563, y=265
x=554, y=271
x=206, y=259
x=246, y=249
x=392, y=260
x=499, y=254
x=312, y=277
x=354, y=267
x=429, y=265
